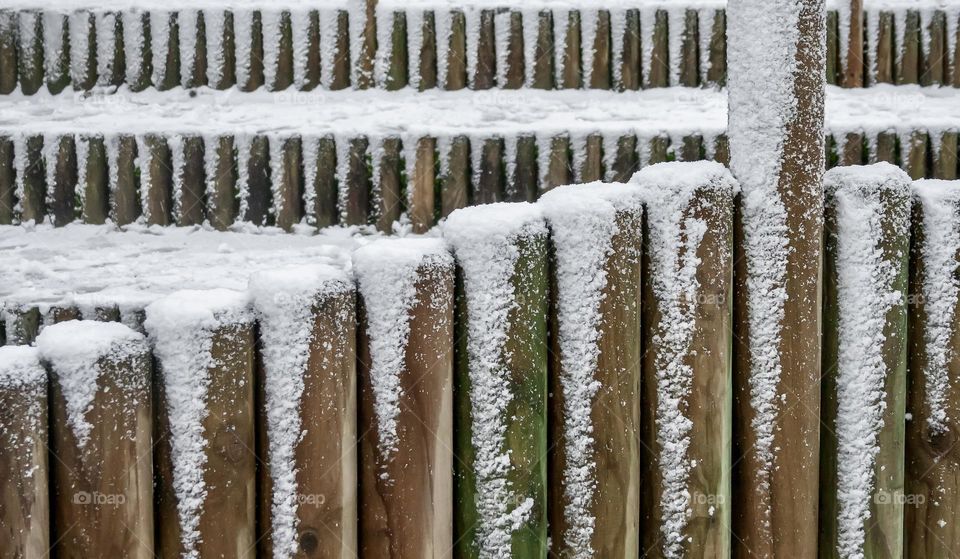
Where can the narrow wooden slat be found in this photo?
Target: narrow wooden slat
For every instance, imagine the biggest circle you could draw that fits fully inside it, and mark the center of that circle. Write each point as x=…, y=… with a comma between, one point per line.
x=8, y=51
x=659, y=150
x=489, y=184
x=308, y=67
x=721, y=150
x=932, y=506
x=397, y=70
x=523, y=186
x=421, y=187
x=601, y=74
x=32, y=199
x=356, y=182
x=406, y=473
x=341, y=70
x=457, y=52
x=325, y=189
x=24, y=473
x=103, y=472
x=689, y=49
x=886, y=148
x=692, y=148
x=253, y=63
x=194, y=75
x=455, y=192
x=592, y=169
x=630, y=78
x=627, y=161
x=94, y=180
x=258, y=182
x=365, y=59
x=22, y=324
x=935, y=59
x=126, y=207
x=909, y=55
x=854, y=52
x=220, y=337
x=485, y=76
x=885, y=49
x=717, y=74
x=288, y=183
x=156, y=179
x=56, y=30
x=945, y=161
x=62, y=192
x=192, y=202
x=29, y=65
x=223, y=65
x=915, y=155
x=571, y=75
x=388, y=195
x=8, y=181
x=658, y=75
x=559, y=169
x=168, y=77
x=138, y=62
x=428, y=52
x=833, y=48
x=543, y=70
x=852, y=151
x=515, y=72
x=222, y=185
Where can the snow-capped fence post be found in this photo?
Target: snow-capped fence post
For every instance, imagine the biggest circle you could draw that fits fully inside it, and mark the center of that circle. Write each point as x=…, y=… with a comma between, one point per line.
x=501, y=380
x=852, y=151
x=852, y=54
x=124, y=194
x=56, y=33
x=594, y=407
x=558, y=171
x=932, y=491
x=427, y=66
x=221, y=181
x=83, y=50
x=31, y=178
x=776, y=86
x=8, y=181
x=101, y=425
x=514, y=75
x=455, y=190
x=568, y=67
x=485, y=74
x=287, y=181
x=717, y=72
x=93, y=179
x=22, y=324
x=658, y=72
x=866, y=249
x=687, y=416
x=204, y=348
x=325, y=209
x=191, y=200
x=909, y=52
x=193, y=51
x=387, y=185
x=24, y=491
x=524, y=184
x=489, y=179
x=307, y=418
x=406, y=398
x=883, y=51
x=29, y=67
x=8, y=51
x=914, y=154
x=248, y=40
x=354, y=181
x=165, y=48
x=421, y=185
x=61, y=162
x=156, y=178
x=543, y=55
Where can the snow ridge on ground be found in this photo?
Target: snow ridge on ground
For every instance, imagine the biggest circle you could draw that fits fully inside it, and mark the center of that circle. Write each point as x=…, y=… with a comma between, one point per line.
x=671, y=192
x=181, y=327
x=583, y=223
x=284, y=301
x=77, y=351
x=486, y=242
x=940, y=204
x=867, y=200
x=387, y=274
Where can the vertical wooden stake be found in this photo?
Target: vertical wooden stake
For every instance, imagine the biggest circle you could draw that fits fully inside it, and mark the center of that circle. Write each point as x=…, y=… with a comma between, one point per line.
x=853, y=51
x=885, y=48
x=8, y=181
x=455, y=192
x=125, y=193
x=94, y=180
x=155, y=179
x=29, y=65
x=258, y=182
x=8, y=51
x=32, y=184
x=945, y=162
x=101, y=438
x=221, y=182
x=421, y=186
x=62, y=192
x=193, y=186
x=388, y=196
x=524, y=184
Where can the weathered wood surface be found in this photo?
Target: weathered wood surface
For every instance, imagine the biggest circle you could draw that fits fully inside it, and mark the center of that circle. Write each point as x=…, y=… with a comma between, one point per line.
x=24, y=473
x=931, y=495
x=102, y=497
x=406, y=497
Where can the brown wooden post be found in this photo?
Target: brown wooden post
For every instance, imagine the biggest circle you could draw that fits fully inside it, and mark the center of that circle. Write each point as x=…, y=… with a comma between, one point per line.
x=221, y=53
x=137, y=52
x=353, y=180
x=626, y=160
x=455, y=192
x=886, y=148
x=189, y=201
x=932, y=493
x=367, y=49
x=122, y=155
x=307, y=421
x=632, y=54
x=24, y=491
x=834, y=66
x=56, y=55
x=61, y=162
x=8, y=181
x=852, y=150
x=485, y=70
x=500, y=405
x=193, y=48
x=111, y=68
x=600, y=72
x=204, y=347
x=155, y=178
x=488, y=175
x=914, y=154
x=687, y=411
x=853, y=53
x=165, y=48
x=555, y=167
x=93, y=179
x=396, y=74
x=248, y=42
x=867, y=240
x=221, y=177
x=324, y=183
x=524, y=185
x=8, y=50
x=689, y=53
x=254, y=180
x=428, y=53
x=31, y=178
x=658, y=72
x=387, y=187
x=101, y=421
x=543, y=65
x=945, y=160
x=421, y=180
x=885, y=48
x=29, y=65
x=721, y=150
x=513, y=75
x=936, y=60
x=456, y=63
x=594, y=496
x=286, y=163
x=22, y=323
x=406, y=398
x=778, y=238
x=717, y=74
x=909, y=55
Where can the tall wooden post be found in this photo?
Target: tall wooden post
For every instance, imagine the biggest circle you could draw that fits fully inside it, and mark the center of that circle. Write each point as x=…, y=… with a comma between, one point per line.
x=406, y=398
x=101, y=425
x=776, y=83
x=594, y=496
x=932, y=489
x=307, y=423
x=24, y=493
x=867, y=238
x=203, y=343
x=501, y=380
x=852, y=53
x=686, y=417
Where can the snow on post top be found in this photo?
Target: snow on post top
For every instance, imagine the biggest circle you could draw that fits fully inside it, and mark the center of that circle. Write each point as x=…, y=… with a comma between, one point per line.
x=583, y=221
x=20, y=368
x=485, y=241
x=76, y=350
x=940, y=205
x=284, y=300
x=387, y=271
x=866, y=180
x=685, y=178
x=181, y=327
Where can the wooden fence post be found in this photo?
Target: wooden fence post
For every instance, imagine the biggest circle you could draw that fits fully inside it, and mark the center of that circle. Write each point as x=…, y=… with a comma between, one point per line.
x=220, y=48
x=155, y=179
x=93, y=176
x=122, y=155
x=204, y=347
x=594, y=405
x=387, y=188
x=687, y=411
x=56, y=55
x=353, y=180
x=8, y=181
x=932, y=489
x=31, y=178
x=8, y=51
x=421, y=181
x=29, y=65
x=853, y=53
x=286, y=161
x=189, y=172
x=221, y=181
x=307, y=421
x=867, y=238
x=455, y=192
x=101, y=424
x=60, y=158
x=501, y=380
x=24, y=491
x=406, y=398
x=778, y=237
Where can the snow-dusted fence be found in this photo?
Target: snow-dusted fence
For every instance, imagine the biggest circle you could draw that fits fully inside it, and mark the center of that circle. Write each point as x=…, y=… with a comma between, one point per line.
x=288, y=179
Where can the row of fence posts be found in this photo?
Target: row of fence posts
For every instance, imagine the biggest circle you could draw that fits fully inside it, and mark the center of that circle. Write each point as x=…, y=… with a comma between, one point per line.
x=438, y=417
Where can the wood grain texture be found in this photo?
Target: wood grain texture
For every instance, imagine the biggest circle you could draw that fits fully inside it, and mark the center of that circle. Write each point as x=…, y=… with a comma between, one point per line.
x=191, y=206
x=708, y=405
x=126, y=197
x=932, y=488
x=95, y=178
x=103, y=492
x=326, y=455
x=9, y=65
x=156, y=178
x=288, y=187
x=222, y=206
x=455, y=188
x=853, y=52
x=559, y=169
x=61, y=195
x=422, y=186
x=8, y=182
x=614, y=411
x=33, y=203
x=24, y=472
x=406, y=501
x=388, y=195
x=227, y=515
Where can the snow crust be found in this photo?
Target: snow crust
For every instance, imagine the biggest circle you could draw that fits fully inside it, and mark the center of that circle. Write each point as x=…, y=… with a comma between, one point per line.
x=939, y=202
x=872, y=207
x=387, y=271
x=671, y=193
x=23, y=377
x=486, y=242
x=583, y=222
x=21, y=370
x=181, y=328
x=77, y=351
x=285, y=301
